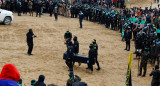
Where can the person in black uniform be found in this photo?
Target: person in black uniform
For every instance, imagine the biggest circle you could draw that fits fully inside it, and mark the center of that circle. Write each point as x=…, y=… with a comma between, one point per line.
x=70, y=51
x=30, y=35
x=156, y=76
x=50, y=8
x=96, y=53
x=76, y=45
x=128, y=36
x=67, y=36
x=19, y=8
x=91, y=56
x=81, y=16
x=38, y=9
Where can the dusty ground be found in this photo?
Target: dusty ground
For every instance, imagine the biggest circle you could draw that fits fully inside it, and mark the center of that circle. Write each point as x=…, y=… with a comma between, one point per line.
x=49, y=48
x=141, y=3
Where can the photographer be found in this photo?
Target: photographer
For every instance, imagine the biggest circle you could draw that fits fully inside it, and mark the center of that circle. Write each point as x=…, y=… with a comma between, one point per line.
x=30, y=35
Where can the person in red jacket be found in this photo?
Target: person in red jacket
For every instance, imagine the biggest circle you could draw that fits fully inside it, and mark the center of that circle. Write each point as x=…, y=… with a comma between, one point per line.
x=9, y=75
x=139, y=13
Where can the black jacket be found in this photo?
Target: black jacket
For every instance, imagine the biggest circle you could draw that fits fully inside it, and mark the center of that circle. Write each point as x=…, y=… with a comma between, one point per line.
x=29, y=37
x=76, y=47
x=40, y=81
x=91, y=55
x=156, y=77
x=70, y=52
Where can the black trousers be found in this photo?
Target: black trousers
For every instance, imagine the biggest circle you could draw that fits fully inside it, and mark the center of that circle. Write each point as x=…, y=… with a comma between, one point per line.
x=80, y=21
x=128, y=44
x=96, y=60
x=90, y=66
x=38, y=13
x=70, y=64
x=31, y=12
x=144, y=67
x=50, y=12
x=156, y=58
x=30, y=48
x=56, y=16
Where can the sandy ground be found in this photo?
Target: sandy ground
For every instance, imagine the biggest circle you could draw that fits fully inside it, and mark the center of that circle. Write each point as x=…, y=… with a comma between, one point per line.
x=49, y=48
x=142, y=3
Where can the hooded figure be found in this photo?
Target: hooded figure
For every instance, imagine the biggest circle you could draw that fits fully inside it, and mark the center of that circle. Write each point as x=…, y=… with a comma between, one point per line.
x=9, y=75
x=30, y=37
x=40, y=81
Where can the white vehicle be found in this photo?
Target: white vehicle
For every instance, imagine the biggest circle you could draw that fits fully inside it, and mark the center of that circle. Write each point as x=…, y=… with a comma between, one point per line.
x=6, y=17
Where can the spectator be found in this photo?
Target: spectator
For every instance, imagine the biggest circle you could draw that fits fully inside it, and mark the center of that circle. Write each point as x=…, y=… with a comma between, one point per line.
x=20, y=82
x=40, y=81
x=33, y=82
x=9, y=75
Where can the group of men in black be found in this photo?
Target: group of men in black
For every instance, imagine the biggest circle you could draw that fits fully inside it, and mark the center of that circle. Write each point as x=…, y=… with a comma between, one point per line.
x=73, y=48
x=146, y=37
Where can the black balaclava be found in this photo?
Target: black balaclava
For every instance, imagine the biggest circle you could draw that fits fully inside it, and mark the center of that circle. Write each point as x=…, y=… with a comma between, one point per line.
x=75, y=38
x=30, y=31
x=41, y=78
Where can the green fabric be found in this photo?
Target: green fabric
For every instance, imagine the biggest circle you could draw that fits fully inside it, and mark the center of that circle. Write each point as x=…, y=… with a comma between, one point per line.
x=158, y=31
x=143, y=22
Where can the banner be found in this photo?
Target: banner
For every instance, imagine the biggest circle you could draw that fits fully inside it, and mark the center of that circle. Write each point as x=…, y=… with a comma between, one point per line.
x=128, y=76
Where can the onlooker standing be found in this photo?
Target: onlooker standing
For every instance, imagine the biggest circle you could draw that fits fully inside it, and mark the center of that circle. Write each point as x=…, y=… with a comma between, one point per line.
x=30, y=6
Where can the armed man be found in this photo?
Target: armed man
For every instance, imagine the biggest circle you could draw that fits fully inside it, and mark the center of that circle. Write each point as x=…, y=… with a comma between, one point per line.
x=144, y=56
x=96, y=53
x=91, y=55
x=30, y=35
x=70, y=53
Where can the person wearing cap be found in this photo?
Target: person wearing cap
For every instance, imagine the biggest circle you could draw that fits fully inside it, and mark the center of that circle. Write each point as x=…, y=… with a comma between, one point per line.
x=156, y=76
x=30, y=35
x=70, y=53
x=96, y=53
x=81, y=16
x=33, y=82
x=72, y=79
x=41, y=81
x=68, y=36
x=9, y=75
